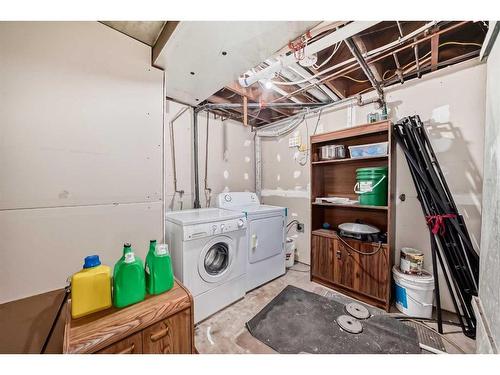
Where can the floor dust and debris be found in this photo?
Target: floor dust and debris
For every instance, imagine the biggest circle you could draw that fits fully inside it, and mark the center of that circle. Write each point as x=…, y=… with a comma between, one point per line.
x=225, y=331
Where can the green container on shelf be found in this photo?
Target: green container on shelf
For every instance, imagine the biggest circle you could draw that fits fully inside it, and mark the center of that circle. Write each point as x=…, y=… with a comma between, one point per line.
x=371, y=186
x=158, y=269
x=129, y=285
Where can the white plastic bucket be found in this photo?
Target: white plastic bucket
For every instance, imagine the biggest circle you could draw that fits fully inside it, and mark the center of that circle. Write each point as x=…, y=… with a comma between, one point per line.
x=414, y=294
x=290, y=252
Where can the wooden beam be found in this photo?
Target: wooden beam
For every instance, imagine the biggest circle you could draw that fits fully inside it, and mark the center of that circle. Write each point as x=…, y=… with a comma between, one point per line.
x=363, y=48
x=245, y=111
x=434, y=52
x=254, y=95
x=243, y=91
x=218, y=100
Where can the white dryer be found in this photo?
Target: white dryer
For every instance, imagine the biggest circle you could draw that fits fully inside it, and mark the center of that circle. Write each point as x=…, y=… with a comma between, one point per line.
x=208, y=249
x=265, y=236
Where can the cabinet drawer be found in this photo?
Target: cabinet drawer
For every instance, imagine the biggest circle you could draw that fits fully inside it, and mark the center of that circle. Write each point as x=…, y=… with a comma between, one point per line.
x=129, y=345
x=169, y=336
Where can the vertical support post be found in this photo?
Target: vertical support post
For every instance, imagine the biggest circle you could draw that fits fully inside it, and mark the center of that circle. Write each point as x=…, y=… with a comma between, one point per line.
x=196, y=203
x=245, y=111
x=434, y=52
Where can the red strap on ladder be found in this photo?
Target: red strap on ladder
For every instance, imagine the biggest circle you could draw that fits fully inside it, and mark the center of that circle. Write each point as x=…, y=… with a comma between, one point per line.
x=437, y=222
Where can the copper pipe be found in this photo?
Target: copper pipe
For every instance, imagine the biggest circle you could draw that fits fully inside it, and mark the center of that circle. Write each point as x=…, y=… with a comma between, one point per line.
x=355, y=66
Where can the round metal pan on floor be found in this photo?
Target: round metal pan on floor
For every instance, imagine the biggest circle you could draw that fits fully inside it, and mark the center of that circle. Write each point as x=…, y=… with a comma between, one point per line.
x=349, y=324
x=356, y=310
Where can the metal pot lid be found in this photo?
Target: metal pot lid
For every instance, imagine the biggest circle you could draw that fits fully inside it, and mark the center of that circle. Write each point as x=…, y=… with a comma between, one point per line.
x=359, y=228
x=349, y=324
x=358, y=311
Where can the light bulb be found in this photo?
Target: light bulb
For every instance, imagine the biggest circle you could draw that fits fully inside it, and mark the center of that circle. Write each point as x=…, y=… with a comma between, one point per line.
x=268, y=84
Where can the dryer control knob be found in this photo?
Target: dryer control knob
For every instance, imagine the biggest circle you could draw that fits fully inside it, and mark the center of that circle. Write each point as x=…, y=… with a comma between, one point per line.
x=227, y=198
x=241, y=223
x=222, y=227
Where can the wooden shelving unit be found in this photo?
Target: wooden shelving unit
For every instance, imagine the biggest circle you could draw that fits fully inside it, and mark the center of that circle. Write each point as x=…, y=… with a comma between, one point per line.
x=365, y=277
x=349, y=160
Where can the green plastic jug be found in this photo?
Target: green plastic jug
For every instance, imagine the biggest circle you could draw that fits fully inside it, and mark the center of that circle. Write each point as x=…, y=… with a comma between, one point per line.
x=128, y=279
x=159, y=274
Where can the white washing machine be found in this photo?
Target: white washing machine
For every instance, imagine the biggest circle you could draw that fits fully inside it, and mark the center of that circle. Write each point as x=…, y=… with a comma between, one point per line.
x=208, y=249
x=265, y=236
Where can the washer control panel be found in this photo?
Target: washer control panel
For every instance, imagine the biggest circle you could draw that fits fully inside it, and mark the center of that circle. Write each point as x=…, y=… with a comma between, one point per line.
x=192, y=232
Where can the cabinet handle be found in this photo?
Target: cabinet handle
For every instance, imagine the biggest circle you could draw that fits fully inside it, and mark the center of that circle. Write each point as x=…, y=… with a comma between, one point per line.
x=158, y=335
x=339, y=254
x=128, y=350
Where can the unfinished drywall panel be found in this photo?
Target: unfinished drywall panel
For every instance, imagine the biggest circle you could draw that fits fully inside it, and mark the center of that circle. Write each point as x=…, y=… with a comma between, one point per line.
x=489, y=277
x=230, y=163
x=450, y=102
x=80, y=152
x=42, y=247
x=286, y=172
x=81, y=116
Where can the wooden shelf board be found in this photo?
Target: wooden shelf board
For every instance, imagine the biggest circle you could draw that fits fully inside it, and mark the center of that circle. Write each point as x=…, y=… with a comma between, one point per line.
x=353, y=205
x=349, y=160
x=353, y=132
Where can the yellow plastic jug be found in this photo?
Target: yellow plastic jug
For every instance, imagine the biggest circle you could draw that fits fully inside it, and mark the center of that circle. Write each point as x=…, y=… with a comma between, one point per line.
x=90, y=288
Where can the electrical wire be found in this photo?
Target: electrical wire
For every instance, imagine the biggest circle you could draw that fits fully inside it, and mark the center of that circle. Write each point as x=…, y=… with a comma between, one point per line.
x=429, y=53
x=335, y=49
x=360, y=252
x=375, y=52
x=290, y=225
x=354, y=79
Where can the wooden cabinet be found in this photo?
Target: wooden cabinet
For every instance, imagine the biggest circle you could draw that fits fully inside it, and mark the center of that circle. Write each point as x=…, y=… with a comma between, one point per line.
x=322, y=256
x=365, y=277
x=161, y=324
x=129, y=345
x=170, y=336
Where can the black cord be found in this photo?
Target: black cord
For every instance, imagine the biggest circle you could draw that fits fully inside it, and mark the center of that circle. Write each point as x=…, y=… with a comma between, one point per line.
x=360, y=252
x=290, y=224
x=67, y=291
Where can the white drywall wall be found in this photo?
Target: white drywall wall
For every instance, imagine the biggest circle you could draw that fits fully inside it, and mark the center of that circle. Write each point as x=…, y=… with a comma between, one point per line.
x=80, y=151
x=230, y=157
x=489, y=277
x=451, y=104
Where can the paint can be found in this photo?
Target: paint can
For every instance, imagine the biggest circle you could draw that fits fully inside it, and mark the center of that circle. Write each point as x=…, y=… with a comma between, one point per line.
x=411, y=261
x=413, y=294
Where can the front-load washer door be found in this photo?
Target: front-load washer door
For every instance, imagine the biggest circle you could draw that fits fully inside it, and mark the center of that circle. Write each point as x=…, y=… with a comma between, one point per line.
x=265, y=237
x=216, y=260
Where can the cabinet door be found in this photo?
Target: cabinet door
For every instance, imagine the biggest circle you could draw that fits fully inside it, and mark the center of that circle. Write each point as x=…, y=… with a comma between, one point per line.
x=129, y=345
x=170, y=336
x=345, y=261
x=374, y=277
x=322, y=251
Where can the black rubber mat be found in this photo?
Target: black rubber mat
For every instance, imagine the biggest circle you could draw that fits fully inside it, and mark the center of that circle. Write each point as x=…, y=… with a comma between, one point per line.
x=297, y=321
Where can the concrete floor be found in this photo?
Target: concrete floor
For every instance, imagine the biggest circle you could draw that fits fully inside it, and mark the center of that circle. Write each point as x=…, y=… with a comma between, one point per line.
x=225, y=331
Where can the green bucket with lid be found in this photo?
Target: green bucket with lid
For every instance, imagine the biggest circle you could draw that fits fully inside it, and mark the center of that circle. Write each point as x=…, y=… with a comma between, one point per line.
x=371, y=186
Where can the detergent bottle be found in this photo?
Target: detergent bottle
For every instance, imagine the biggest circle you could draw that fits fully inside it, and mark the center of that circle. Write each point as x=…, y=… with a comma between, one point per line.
x=159, y=274
x=90, y=288
x=128, y=279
